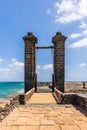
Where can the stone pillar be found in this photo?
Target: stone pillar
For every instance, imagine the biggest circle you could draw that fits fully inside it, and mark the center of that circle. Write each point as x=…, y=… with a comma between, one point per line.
x=59, y=57
x=30, y=60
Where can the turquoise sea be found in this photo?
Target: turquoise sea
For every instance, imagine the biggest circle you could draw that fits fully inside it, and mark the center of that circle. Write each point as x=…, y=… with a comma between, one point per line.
x=8, y=88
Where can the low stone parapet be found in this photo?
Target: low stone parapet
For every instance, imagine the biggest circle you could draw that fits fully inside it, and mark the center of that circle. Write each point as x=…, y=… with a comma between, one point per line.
x=58, y=95
x=23, y=98
x=81, y=100
x=71, y=98
x=65, y=98
x=29, y=94
x=68, y=98
x=7, y=105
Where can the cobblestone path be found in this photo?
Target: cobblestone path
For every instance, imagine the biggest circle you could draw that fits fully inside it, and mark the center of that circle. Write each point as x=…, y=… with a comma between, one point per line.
x=46, y=117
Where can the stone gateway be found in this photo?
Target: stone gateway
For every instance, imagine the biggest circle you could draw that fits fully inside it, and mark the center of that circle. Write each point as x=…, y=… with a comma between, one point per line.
x=30, y=61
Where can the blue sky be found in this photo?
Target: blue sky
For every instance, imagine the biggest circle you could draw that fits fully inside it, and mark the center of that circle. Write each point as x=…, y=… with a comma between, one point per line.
x=44, y=19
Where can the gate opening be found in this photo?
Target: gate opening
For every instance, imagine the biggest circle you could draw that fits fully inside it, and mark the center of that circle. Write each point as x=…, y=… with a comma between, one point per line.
x=44, y=66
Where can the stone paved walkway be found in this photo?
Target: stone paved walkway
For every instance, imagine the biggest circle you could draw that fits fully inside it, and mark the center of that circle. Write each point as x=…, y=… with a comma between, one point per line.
x=42, y=98
x=56, y=117
x=44, y=89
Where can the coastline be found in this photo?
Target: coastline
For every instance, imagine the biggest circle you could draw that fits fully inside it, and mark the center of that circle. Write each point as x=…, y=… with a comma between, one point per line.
x=9, y=88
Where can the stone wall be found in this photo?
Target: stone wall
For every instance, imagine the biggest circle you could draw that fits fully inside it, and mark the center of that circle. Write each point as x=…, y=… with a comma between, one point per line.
x=65, y=98
x=7, y=105
x=81, y=100
x=71, y=98
x=24, y=97
x=29, y=94
x=58, y=95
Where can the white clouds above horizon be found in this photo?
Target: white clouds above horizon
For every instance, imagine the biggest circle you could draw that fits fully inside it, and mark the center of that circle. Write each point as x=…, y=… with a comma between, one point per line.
x=16, y=65
x=82, y=32
x=75, y=12
x=1, y=61
x=83, y=25
x=45, y=67
x=79, y=43
x=75, y=35
x=45, y=72
x=48, y=67
x=14, y=71
x=11, y=72
x=70, y=11
x=4, y=70
x=82, y=65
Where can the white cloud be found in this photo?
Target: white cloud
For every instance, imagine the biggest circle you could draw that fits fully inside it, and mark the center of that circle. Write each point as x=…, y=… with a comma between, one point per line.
x=48, y=67
x=13, y=72
x=80, y=43
x=44, y=72
x=64, y=6
x=49, y=11
x=75, y=35
x=84, y=33
x=38, y=67
x=45, y=67
x=82, y=65
x=1, y=61
x=68, y=11
x=16, y=65
x=83, y=25
x=4, y=70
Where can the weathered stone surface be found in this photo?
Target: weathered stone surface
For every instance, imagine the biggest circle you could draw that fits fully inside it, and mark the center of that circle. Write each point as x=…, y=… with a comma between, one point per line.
x=59, y=57
x=81, y=100
x=58, y=95
x=66, y=117
x=71, y=98
x=23, y=98
x=7, y=105
x=30, y=61
x=68, y=98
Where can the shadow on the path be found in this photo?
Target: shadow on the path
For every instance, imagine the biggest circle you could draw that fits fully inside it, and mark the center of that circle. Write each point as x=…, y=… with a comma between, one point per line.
x=83, y=111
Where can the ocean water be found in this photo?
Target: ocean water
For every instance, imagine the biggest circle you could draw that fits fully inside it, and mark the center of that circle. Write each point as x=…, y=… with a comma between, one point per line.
x=8, y=88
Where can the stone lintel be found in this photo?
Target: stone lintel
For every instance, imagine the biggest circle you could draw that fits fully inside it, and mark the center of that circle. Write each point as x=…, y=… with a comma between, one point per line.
x=30, y=37
x=58, y=37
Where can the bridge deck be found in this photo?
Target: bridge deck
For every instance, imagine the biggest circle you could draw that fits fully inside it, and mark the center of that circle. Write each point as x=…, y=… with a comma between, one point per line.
x=43, y=95
x=41, y=98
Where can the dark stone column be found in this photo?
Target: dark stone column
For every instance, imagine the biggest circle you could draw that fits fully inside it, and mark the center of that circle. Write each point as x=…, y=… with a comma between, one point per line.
x=30, y=60
x=59, y=56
